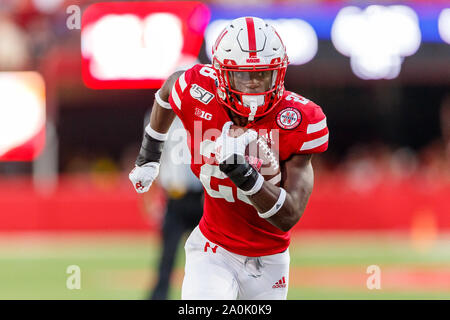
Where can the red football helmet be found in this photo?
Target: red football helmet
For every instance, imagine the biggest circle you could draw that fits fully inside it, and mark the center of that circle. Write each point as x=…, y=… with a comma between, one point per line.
x=250, y=61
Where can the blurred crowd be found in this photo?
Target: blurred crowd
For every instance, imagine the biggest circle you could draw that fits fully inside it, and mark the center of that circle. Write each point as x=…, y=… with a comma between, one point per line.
x=31, y=29
x=28, y=30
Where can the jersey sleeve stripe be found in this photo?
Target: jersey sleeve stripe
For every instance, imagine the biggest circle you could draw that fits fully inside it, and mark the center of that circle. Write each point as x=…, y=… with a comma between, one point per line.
x=175, y=97
x=314, y=143
x=182, y=82
x=315, y=127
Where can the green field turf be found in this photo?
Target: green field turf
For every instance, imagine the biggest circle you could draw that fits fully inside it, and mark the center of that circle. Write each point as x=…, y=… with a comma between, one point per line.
x=122, y=266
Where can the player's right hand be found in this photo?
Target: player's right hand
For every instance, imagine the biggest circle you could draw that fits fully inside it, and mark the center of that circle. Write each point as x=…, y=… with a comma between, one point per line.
x=226, y=145
x=143, y=176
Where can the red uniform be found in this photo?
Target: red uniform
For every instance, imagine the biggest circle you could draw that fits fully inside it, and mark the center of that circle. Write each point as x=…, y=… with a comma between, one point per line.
x=229, y=219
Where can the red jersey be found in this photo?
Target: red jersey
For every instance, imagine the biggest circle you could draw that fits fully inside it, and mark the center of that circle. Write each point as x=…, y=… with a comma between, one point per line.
x=295, y=126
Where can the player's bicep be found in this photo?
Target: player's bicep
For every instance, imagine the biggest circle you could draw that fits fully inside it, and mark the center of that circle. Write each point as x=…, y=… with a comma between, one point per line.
x=162, y=114
x=166, y=88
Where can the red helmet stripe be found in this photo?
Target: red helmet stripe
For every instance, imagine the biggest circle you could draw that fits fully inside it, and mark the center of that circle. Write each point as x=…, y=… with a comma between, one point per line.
x=251, y=37
x=224, y=32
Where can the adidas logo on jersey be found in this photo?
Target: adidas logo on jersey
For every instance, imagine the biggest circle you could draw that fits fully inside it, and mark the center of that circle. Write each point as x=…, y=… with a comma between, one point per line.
x=280, y=283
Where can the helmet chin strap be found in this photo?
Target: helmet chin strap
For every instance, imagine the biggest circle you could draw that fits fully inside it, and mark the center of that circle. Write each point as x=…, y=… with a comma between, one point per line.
x=253, y=102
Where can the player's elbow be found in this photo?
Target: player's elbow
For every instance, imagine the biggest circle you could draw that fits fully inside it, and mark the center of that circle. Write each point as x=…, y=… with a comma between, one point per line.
x=294, y=217
x=295, y=204
x=286, y=227
x=290, y=215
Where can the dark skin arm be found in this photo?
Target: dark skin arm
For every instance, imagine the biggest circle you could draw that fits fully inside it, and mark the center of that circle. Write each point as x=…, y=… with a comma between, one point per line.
x=160, y=118
x=298, y=184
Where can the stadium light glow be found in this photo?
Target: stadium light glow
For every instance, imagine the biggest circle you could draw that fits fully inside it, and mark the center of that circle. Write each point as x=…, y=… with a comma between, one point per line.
x=47, y=6
x=376, y=39
x=22, y=114
x=298, y=36
x=123, y=46
x=444, y=25
x=139, y=44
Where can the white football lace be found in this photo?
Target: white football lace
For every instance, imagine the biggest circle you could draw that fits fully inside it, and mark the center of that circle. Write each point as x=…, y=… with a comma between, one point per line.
x=263, y=144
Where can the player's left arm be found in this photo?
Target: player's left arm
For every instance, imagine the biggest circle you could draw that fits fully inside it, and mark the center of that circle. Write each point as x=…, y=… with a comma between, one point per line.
x=297, y=186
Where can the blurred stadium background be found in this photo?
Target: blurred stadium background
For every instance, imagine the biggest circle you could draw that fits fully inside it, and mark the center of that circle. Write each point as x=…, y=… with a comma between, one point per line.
x=72, y=106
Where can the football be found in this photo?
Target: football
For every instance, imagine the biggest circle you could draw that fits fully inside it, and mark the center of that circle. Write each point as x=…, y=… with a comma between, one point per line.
x=261, y=157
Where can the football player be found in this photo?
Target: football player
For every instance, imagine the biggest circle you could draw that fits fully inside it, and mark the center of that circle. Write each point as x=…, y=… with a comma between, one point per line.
x=240, y=248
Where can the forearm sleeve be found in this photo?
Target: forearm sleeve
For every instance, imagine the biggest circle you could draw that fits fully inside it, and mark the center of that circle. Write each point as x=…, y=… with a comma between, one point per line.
x=151, y=150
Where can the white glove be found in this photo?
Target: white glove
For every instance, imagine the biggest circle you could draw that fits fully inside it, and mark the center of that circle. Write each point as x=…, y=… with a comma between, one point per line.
x=143, y=176
x=225, y=146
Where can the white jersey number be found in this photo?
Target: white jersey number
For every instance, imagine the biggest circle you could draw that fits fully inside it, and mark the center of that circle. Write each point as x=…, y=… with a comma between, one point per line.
x=208, y=170
x=208, y=72
x=297, y=98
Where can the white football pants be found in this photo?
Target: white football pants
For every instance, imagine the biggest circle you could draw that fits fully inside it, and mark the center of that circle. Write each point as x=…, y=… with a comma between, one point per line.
x=211, y=272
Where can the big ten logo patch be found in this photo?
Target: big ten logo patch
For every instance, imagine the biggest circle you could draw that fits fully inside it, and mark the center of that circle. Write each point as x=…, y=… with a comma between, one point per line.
x=201, y=94
x=207, y=245
x=202, y=114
